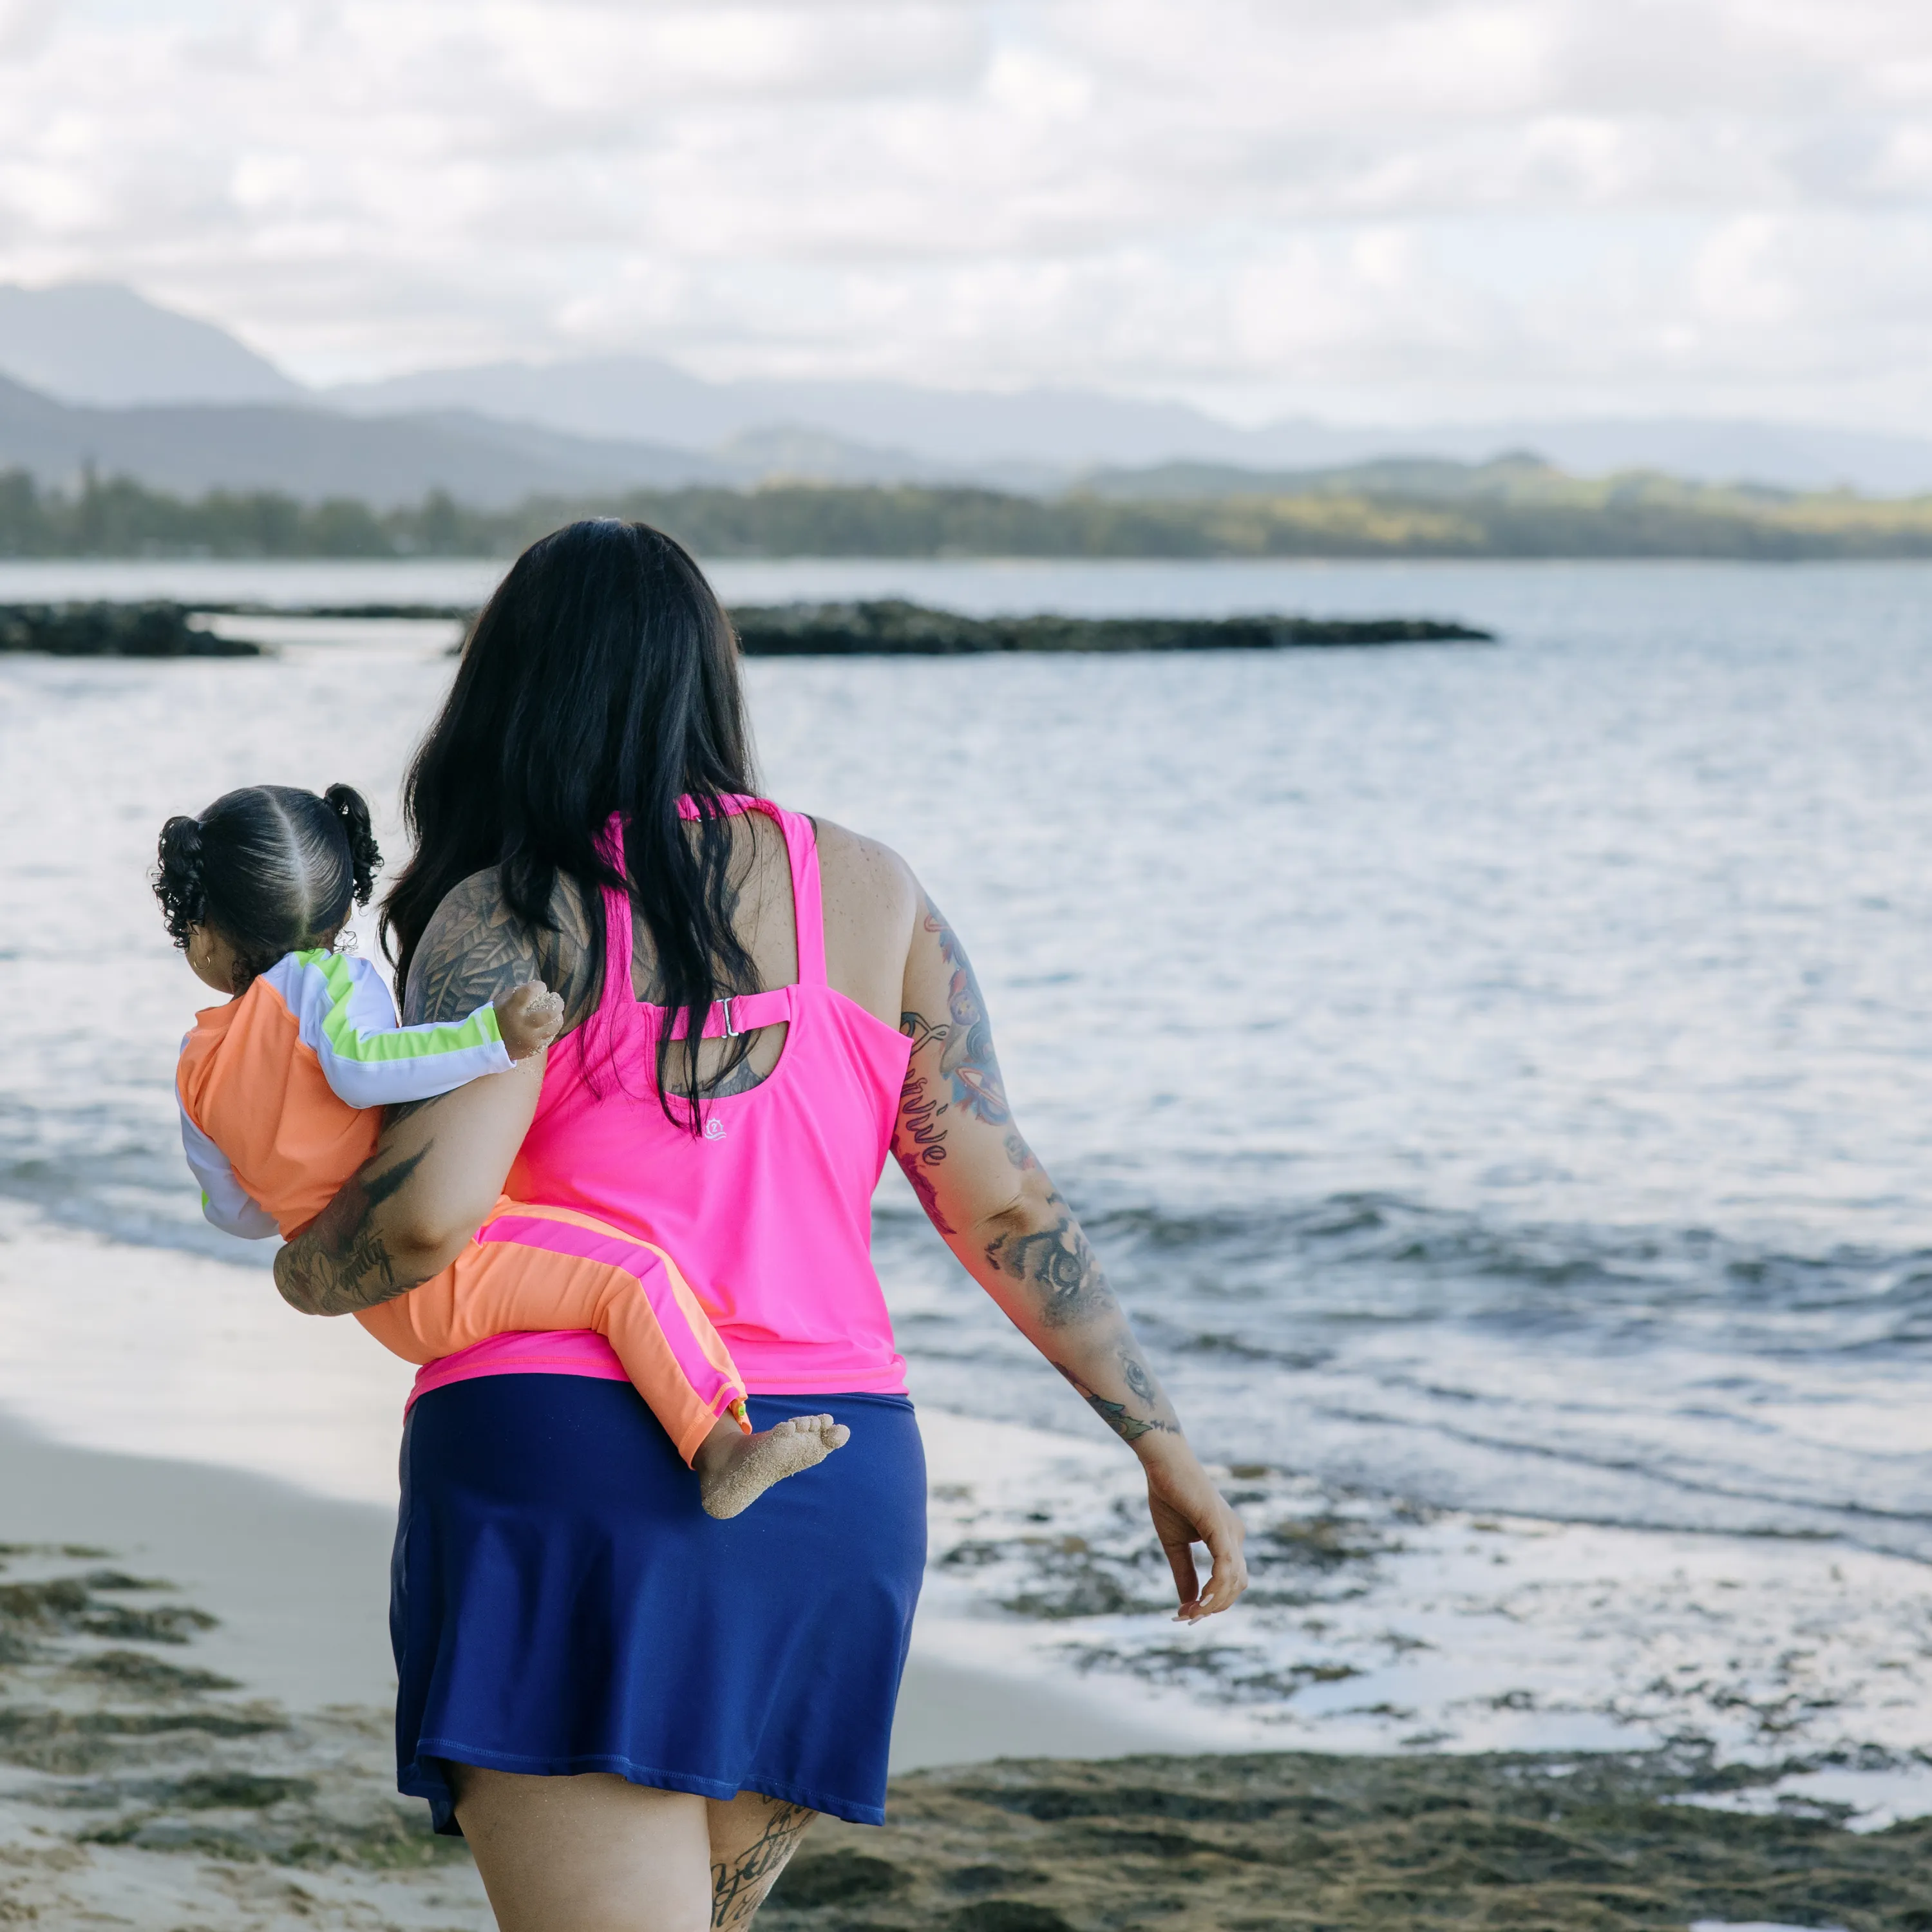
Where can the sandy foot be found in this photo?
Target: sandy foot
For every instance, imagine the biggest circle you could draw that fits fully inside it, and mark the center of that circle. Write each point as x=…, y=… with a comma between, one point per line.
x=734, y=1470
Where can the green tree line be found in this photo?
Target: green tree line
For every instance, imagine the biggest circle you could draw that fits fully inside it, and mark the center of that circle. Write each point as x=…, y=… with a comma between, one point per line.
x=1561, y=517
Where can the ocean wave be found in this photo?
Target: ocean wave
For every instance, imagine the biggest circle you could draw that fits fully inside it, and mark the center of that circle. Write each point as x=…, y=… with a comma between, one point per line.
x=1668, y=1378
x=1381, y=1258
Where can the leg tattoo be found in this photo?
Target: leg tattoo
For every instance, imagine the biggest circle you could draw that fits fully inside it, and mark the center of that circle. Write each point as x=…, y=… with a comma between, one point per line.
x=739, y=1885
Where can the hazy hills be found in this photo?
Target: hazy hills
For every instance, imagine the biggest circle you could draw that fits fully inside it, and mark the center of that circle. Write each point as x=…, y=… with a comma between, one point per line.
x=1044, y=439
x=97, y=342
x=94, y=374
x=312, y=452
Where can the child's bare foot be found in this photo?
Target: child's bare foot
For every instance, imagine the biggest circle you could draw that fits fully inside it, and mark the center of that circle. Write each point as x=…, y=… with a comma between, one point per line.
x=529, y=1017
x=734, y=1469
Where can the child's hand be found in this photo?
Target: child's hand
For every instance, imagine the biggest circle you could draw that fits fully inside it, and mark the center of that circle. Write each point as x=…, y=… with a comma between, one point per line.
x=529, y=1017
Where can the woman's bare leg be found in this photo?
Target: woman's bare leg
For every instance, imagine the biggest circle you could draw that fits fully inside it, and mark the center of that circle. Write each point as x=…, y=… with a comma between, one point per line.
x=589, y=1854
x=752, y=1838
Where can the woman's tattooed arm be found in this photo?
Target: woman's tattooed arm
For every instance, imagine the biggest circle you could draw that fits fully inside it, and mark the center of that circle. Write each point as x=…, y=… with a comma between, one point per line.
x=1129, y=1426
x=983, y=1190
x=341, y=1262
x=1057, y=1263
x=475, y=948
x=399, y=1219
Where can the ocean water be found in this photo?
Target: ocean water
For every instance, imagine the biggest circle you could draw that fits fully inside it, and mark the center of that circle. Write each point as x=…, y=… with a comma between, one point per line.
x=1497, y=1078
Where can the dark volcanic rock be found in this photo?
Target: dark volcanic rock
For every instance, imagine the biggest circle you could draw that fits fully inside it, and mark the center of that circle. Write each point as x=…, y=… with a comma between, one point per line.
x=892, y=627
x=1574, y=1842
x=113, y=631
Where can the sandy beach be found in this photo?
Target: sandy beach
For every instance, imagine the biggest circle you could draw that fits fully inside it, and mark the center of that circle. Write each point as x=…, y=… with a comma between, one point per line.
x=194, y=1708
x=196, y=1685
x=196, y=1692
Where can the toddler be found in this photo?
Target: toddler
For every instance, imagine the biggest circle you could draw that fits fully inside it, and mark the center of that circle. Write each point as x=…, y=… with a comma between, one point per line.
x=280, y=1089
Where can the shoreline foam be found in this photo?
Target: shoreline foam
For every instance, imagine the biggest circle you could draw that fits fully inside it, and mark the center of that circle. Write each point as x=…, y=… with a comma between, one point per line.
x=175, y=1749
x=1373, y=1627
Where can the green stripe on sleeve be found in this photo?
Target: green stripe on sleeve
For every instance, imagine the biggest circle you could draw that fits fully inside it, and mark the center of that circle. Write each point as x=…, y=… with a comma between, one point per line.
x=393, y=1044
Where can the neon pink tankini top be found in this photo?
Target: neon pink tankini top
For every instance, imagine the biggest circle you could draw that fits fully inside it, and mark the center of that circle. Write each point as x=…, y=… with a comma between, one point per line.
x=769, y=1211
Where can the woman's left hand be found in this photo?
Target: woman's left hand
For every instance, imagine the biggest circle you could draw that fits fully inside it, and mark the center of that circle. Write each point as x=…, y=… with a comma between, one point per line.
x=1187, y=1509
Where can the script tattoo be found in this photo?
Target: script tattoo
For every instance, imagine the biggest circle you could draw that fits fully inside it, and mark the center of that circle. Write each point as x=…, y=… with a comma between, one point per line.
x=739, y=1886
x=919, y=1144
x=1060, y=1267
x=339, y=1263
x=1128, y=1428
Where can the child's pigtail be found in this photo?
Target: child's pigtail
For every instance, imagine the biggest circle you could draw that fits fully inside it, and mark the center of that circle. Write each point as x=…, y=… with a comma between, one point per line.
x=365, y=856
x=177, y=880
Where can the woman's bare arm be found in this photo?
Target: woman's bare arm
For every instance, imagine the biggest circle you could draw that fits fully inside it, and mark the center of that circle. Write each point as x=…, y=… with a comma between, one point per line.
x=1011, y=1229
x=440, y=1165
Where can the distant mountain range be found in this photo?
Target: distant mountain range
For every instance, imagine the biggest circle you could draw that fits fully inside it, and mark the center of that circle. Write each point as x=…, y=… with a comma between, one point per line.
x=94, y=373
x=1044, y=439
x=188, y=448
x=97, y=342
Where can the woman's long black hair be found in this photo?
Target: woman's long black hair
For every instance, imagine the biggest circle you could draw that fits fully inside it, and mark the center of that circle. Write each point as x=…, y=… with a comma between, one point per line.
x=601, y=678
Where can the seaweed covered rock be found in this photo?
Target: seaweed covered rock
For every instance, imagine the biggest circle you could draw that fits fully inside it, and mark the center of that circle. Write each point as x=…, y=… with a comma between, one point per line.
x=150, y=630
x=1304, y=1842
x=891, y=626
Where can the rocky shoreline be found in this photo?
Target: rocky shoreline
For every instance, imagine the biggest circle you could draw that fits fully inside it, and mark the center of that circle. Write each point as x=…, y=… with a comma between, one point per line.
x=886, y=628
x=134, y=1782
x=1576, y=1844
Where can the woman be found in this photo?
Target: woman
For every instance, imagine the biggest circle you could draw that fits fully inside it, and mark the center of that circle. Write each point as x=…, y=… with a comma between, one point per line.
x=631, y=1711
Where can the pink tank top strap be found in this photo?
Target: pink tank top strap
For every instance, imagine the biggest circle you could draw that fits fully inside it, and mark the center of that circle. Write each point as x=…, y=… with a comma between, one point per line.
x=807, y=898
x=746, y=1011
x=801, y=838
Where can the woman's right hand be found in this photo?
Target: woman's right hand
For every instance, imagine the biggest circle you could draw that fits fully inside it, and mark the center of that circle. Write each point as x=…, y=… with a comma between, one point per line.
x=1188, y=1509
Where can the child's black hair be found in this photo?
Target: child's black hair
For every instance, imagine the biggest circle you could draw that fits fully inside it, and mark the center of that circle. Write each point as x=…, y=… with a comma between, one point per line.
x=270, y=868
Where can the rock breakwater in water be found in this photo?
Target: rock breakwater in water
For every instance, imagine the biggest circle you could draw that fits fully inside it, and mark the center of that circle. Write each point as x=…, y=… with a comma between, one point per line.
x=101, y=630
x=892, y=627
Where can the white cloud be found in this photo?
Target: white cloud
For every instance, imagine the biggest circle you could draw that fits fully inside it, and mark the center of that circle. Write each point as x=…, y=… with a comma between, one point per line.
x=1396, y=206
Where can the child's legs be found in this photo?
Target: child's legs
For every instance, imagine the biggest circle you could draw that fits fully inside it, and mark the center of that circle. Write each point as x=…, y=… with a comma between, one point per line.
x=430, y=1321
x=421, y=1325
x=537, y=1268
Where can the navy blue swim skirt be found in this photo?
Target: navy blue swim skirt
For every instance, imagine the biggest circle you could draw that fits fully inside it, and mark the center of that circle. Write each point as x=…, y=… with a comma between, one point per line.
x=559, y=1602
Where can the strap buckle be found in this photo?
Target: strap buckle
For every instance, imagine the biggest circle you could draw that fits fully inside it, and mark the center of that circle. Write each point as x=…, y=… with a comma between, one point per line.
x=731, y=1031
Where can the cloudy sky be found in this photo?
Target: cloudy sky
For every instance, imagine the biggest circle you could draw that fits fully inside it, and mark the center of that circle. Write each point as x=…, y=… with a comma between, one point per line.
x=1370, y=209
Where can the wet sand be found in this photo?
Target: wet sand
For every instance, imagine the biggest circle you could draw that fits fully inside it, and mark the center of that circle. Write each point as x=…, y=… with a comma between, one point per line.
x=196, y=1693
x=194, y=1683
